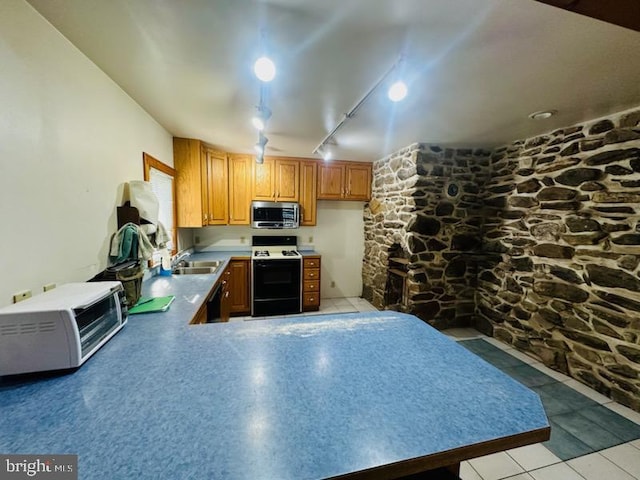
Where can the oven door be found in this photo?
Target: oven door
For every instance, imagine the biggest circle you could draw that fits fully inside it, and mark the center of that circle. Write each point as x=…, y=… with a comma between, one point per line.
x=276, y=287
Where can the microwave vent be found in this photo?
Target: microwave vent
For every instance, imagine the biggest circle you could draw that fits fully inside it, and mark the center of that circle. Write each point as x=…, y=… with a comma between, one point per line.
x=26, y=328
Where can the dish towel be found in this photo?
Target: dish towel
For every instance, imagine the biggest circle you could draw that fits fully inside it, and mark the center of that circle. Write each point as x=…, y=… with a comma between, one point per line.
x=130, y=243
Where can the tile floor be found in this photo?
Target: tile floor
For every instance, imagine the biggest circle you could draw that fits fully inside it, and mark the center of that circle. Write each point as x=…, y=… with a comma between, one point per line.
x=539, y=462
x=583, y=425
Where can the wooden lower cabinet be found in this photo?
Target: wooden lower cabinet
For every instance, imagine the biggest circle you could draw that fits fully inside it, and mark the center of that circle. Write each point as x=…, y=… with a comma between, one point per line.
x=239, y=286
x=310, y=283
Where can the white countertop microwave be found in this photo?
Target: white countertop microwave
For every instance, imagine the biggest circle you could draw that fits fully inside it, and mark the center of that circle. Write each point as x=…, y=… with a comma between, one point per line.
x=61, y=328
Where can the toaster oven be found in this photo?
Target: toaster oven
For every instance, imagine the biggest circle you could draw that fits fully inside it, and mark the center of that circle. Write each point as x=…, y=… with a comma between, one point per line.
x=60, y=328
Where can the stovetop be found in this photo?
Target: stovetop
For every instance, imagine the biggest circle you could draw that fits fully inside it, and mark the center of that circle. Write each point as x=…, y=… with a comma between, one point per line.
x=274, y=252
x=273, y=247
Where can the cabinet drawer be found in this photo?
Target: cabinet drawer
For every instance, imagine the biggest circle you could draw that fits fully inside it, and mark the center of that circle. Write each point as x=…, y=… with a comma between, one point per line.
x=311, y=263
x=311, y=273
x=311, y=286
x=310, y=299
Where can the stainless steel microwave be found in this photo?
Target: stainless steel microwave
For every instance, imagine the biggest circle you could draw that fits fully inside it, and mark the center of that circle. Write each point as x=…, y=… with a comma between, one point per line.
x=275, y=215
x=60, y=328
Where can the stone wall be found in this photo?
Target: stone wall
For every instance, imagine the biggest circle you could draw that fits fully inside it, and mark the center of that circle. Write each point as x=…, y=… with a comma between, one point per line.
x=425, y=201
x=562, y=238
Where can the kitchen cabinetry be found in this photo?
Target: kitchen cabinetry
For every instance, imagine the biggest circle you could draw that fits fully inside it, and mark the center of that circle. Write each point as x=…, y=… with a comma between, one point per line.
x=308, y=192
x=239, y=189
x=344, y=181
x=311, y=283
x=201, y=183
x=276, y=179
x=239, y=286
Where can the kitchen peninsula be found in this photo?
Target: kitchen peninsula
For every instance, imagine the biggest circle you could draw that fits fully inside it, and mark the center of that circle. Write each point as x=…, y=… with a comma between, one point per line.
x=359, y=395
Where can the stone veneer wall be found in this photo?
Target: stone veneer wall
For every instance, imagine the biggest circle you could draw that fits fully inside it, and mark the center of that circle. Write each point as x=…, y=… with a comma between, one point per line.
x=562, y=234
x=541, y=248
x=438, y=234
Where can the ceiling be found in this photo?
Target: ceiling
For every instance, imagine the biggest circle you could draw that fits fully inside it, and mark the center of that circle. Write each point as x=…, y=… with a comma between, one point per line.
x=476, y=68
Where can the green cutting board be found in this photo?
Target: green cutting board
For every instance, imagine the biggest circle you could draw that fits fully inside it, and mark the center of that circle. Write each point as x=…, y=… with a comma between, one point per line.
x=152, y=304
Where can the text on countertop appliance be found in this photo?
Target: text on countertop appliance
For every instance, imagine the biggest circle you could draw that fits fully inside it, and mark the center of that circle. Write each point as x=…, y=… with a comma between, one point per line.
x=275, y=215
x=276, y=267
x=60, y=328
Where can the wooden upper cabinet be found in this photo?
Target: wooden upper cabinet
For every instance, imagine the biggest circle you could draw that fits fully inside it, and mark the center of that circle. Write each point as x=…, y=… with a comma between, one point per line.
x=358, y=181
x=201, y=183
x=330, y=181
x=239, y=189
x=218, y=187
x=276, y=179
x=264, y=181
x=191, y=182
x=344, y=181
x=308, y=192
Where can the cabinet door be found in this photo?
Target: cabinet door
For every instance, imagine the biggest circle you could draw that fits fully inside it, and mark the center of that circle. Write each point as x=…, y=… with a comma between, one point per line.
x=330, y=181
x=191, y=183
x=357, y=182
x=217, y=188
x=308, y=189
x=239, y=286
x=287, y=180
x=239, y=189
x=264, y=181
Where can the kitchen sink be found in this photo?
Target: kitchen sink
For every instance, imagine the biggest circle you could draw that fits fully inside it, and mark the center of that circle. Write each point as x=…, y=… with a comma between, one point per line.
x=194, y=270
x=204, y=263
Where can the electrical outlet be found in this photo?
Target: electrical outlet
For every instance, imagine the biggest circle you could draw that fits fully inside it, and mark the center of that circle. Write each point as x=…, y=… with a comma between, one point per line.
x=49, y=286
x=311, y=239
x=20, y=296
x=196, y=239
x=242, y=239
x=333, y=284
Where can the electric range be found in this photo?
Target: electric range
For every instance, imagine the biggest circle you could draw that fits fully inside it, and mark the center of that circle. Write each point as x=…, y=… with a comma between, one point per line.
x=276, y=267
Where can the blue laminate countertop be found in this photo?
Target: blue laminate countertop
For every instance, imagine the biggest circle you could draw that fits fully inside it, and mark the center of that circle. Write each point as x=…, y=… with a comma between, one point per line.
x=295, y=398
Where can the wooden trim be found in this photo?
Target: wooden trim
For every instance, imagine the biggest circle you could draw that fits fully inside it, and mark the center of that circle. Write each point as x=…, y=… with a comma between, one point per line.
x=450, y=457
x=149, y=162
x=625, y=13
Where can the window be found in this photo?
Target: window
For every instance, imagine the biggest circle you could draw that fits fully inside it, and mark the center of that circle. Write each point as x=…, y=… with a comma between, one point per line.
x=161, y=177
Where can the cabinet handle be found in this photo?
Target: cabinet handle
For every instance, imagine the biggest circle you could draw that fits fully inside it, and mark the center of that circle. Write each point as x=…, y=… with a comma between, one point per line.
x=311, y=286
x=311, y=299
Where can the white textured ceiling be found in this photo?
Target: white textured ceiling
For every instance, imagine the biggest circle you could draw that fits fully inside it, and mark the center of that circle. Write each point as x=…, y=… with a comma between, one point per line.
x=475, y=68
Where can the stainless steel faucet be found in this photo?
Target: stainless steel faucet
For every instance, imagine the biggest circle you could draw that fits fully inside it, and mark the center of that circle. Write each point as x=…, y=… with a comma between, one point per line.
x=179, y=259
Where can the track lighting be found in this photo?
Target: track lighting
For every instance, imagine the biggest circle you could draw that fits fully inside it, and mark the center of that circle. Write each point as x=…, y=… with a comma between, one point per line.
x=396, y=92
x=259, y=120
x=265, y=69
x=259, y=147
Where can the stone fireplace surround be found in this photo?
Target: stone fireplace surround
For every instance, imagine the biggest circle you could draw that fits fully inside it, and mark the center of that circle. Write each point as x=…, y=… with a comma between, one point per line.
x=536, y=243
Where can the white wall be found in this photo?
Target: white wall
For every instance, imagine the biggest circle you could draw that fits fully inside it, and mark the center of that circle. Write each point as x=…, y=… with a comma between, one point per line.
x=69, y=140
x=338, y=237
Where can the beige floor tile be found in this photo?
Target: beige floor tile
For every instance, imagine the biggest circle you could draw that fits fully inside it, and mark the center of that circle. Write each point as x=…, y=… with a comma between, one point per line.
x=468, y=473
x=462, y=333
x=560, y=471
x=534, y=456
x=624, y=456
x=561, y=377
x=624, y=411
x=587, y=391
x=520, y=476
x=497, y=343
x=522, y=356
x=496, y=466
x=636, y=443
x=597, y=467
